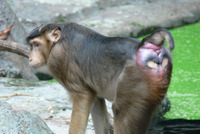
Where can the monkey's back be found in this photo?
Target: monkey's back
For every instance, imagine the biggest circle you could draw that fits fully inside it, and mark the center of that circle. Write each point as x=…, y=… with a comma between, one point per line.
x=100, y=58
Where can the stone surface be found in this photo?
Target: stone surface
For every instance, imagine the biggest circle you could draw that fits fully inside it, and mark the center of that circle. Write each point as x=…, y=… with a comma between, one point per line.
x=20, y=122
x=112, y=18
x=48, y=100
x=7, y=68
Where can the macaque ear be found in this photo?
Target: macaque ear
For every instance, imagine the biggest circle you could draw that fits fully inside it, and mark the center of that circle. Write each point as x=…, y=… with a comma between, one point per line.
x=55, y=35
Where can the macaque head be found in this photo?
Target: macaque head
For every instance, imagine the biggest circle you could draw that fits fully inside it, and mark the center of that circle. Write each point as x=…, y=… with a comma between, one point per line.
x=42, y=39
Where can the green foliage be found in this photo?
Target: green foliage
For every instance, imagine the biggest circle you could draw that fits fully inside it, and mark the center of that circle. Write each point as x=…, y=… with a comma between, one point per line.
x=62, y=19
x=52, y=81
x=137, y=24
x=90, y=25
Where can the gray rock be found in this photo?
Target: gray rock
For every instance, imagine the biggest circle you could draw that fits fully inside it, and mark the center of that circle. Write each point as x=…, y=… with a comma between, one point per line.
x=7, y=68
x=20, y=122
x=18, y=34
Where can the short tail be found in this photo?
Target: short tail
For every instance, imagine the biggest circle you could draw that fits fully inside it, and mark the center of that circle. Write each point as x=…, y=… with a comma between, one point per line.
x=158, y=37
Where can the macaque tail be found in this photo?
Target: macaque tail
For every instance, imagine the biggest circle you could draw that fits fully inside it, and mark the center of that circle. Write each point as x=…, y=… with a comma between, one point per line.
x=15, y=48
x=158, y=37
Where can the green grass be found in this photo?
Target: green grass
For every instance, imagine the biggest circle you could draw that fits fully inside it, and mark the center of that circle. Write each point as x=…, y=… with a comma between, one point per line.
x=52, y=81
x=137, y=24
x=184, y=91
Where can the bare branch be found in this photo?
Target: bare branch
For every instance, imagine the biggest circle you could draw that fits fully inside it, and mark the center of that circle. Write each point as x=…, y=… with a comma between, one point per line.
x=5, y=33
x=14, y=48
x=8, y=96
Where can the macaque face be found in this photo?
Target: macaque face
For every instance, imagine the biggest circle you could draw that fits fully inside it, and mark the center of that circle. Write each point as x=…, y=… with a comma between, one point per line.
x=38, y=54
x=41, y=47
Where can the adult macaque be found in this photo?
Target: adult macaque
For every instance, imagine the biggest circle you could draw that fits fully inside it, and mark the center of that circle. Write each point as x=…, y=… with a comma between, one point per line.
x=133, y=75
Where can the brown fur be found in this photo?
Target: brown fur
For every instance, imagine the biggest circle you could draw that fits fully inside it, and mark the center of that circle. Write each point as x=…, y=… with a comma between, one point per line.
x=93, y=67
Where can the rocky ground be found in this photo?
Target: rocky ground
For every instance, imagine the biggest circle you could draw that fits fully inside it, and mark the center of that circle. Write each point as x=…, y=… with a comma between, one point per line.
x=48, y=100
x=33, y=101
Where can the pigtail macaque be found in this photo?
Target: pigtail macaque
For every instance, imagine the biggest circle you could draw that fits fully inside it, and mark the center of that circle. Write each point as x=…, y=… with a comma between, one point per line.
x=133, y=75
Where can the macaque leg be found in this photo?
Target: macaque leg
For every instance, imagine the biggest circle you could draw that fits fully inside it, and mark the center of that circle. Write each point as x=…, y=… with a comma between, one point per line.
x=80, y=112
x=141, y=88
x=100, y=117
x=131, y=113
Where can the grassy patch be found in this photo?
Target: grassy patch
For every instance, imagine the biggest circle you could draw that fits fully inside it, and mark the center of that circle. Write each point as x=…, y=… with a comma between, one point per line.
x=184, y=91
x=52, y=81
x=62, y=19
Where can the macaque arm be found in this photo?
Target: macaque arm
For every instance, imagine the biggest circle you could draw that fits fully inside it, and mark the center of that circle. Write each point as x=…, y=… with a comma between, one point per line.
x=14, y=48
x=134, y=102
x=130, y=104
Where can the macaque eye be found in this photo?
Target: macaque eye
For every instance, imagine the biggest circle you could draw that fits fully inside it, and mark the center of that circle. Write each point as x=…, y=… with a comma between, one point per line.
x=35, y=44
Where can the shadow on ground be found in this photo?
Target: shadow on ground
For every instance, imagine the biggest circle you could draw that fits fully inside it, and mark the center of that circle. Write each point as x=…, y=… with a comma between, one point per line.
x=176, y=126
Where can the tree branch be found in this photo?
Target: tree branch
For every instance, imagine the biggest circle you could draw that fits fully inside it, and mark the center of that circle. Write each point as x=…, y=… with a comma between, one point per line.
x=15, y=48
